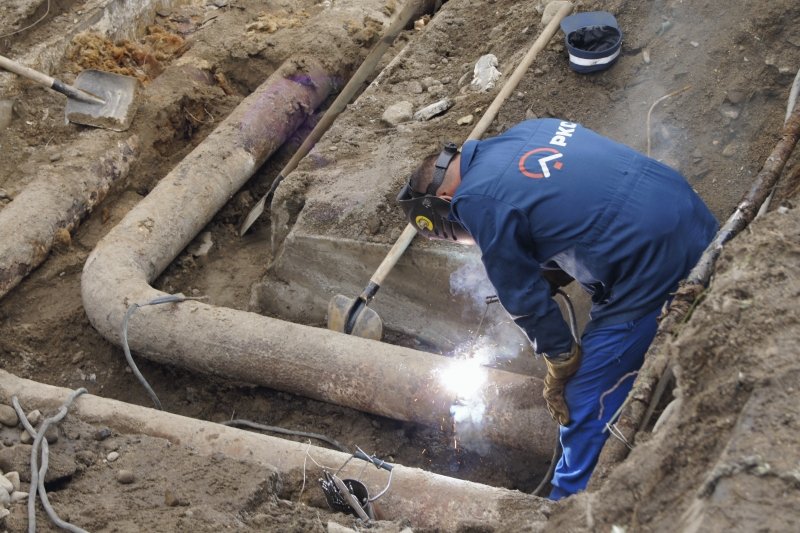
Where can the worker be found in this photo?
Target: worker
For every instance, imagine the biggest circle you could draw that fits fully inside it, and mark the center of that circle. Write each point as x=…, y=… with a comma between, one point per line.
x=549, y=201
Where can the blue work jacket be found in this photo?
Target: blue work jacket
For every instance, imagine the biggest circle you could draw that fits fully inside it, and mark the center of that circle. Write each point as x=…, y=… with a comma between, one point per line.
x=552, y=193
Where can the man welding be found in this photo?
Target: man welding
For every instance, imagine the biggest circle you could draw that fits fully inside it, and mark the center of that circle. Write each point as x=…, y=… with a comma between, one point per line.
x=549, y=201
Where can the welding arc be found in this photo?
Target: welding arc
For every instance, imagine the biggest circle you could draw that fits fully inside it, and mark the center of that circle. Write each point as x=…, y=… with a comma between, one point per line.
x=353, y=316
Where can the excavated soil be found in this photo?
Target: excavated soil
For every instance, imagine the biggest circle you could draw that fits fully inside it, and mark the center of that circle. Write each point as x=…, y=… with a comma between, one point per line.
x=726, y=457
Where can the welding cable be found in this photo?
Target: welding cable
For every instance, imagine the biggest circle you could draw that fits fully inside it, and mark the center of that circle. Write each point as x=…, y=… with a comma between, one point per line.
x=548, y=476
x=170, y=298
x=240, y=422
x=38, y=474
x=573, y=322
x=573, y=328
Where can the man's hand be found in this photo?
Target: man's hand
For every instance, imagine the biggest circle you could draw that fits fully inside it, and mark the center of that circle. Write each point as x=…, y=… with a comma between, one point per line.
x=559, y=369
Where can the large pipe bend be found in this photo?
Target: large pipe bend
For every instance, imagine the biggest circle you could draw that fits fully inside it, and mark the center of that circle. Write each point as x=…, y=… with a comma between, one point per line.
x=373, y=377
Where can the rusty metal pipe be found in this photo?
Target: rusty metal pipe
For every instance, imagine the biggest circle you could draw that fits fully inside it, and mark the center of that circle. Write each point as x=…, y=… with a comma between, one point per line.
x=427, y=500
x=48, y=209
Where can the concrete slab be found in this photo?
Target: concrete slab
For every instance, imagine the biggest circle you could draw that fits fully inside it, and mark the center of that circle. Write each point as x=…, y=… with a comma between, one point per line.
x=335, y=218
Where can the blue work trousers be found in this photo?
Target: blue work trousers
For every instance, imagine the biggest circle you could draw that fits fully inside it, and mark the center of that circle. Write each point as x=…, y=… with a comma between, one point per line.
x=609, y=353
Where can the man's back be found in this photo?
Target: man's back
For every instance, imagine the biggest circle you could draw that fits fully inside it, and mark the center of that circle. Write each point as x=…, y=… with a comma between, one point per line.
x=625, y=226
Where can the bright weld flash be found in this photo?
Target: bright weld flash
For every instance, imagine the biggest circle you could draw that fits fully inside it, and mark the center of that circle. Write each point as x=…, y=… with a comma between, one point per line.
x=465, y=377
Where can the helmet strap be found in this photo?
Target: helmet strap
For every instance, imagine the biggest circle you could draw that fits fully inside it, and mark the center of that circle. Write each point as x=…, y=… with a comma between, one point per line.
x=446, y=156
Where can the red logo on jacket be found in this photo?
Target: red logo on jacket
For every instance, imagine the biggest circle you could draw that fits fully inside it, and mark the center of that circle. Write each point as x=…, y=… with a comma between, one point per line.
x=537, y=163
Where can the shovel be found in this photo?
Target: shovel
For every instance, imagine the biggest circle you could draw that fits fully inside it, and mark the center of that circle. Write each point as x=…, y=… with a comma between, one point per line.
x=99, y=99
x=346, y=315
x=349, y=316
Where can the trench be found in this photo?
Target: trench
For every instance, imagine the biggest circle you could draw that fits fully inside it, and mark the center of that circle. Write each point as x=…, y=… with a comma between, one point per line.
x=341, y=389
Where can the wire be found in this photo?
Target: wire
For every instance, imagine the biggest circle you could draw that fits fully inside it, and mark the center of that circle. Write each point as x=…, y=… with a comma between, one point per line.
x=38, y=474
x=240, y=422
x=169, y=298
x=29, y=26
x=548, y=476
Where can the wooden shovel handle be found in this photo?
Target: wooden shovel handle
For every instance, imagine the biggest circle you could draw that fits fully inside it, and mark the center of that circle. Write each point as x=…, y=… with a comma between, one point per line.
x=394, y=254
x=25, y=72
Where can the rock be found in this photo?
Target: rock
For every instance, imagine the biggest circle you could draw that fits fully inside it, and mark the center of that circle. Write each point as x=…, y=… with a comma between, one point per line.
x=34, y=417
x=17, y=496
x=334, y=527
x=125, y=477
x=6, y=484
x=171, y=499
x=484, y=75
x=17, y=458
x=398, y=113
x=736, y=96
x=51, y=434
x=85, y=457
x=201, y=245
x=729, y=111
x=729, y=150
x=436, y=108
x=8, y=417
x=465, y=120
x=102, y=434
x=25, y=437
x=550, y=11
x=415, y=87
x=111, y=457
x=5, y=497
x=4, y=513
x=6, y=113
x=13, y=477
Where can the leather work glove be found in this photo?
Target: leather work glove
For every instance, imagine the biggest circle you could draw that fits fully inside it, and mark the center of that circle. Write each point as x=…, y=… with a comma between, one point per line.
x=559, y=370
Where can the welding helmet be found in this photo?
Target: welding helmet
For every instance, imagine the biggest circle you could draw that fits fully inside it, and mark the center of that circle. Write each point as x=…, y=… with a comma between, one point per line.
x=430, y=213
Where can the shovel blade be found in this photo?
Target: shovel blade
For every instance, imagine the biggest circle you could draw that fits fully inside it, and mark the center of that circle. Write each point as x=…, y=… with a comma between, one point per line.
x=367, y=323
x=119, y=92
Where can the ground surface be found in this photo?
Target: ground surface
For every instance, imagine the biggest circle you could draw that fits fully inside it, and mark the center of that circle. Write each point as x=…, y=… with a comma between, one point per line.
x=738, y=63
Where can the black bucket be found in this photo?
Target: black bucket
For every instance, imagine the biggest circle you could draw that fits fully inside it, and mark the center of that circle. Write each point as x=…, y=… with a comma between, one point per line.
x=337, y=502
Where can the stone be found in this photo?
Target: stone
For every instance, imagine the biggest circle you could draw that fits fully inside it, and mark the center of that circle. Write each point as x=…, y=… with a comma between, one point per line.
x=8, y=417
x=61, y=466
x=485, y=73
x=334, y=527
x=13, y=477
x=171, y=499
x=6, y=484
x=126, y=477
x=18, y=496
x=102, y=434
x=415, y=87
x=85, y=457
x=113, y=456
x=465, y=120
x=34, y=417
x=5, y=497
x=25, y=437
x=729, y=150
x=434, y=109
x=398, y=113
x=51, y=434
x=550, y=11
x=4, y=513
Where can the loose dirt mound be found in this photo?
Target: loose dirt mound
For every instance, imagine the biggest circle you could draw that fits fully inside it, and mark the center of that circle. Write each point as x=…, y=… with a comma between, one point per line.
x=724, y=457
